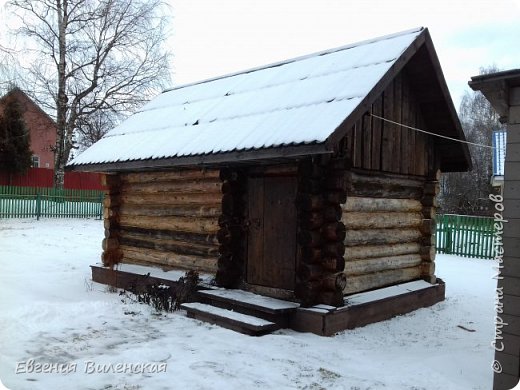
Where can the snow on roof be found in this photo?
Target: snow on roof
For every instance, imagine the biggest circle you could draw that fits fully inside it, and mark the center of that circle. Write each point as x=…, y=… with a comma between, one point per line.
x=299, y=101
x=499, y=152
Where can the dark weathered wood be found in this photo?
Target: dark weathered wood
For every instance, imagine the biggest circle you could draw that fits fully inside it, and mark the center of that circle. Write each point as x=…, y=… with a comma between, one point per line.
x=377, y=109
x=333, y=231
x=272, y=231
x=397, y=117
x=334, y=282
x=333, y=264
x=310, y=238
x=307, y=272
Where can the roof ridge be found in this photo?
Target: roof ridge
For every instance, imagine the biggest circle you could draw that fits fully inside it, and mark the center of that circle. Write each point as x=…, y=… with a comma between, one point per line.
x=299, y=58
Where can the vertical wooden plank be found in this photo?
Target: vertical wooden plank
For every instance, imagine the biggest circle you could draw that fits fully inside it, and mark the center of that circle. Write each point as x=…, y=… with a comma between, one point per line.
x=280, y=232
x=397, y=117
x=358, y=145
x=388, y=132
x=255, y=238
x=406, y=120
x=413, y=116
x=367, y=141
x=377, y=109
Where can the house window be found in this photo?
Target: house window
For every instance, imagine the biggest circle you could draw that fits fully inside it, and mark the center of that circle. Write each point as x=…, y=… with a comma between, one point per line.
x=35, y=161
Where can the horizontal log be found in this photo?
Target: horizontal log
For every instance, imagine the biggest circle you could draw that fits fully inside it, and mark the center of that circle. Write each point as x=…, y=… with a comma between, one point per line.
x=185, y=187
x=369, y=251
x=183, y=224
x=171, y=211
x=365, y=204
x=334, y=282
x=333, y=264
x=274, y=170
x=381, y=220
x=172, y=199
x=199, y=238
x=167, y=176
x=306, y=292
x=383, y=187
x=381, y=236
x=168, y=245
x=170, y=259
x=333, y=231
x=377, y=264
x=381, y=279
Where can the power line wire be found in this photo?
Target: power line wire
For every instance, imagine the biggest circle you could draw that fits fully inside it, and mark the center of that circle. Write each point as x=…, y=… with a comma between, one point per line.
x=430, y=133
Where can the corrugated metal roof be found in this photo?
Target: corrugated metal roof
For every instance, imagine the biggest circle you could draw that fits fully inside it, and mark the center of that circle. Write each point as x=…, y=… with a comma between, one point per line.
x=300, y=101
x=499, y=152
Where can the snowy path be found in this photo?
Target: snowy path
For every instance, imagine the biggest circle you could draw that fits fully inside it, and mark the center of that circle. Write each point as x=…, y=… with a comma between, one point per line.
x=52, y=313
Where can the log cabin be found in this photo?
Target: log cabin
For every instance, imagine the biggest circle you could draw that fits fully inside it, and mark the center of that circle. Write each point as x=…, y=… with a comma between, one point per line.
x=304, y=180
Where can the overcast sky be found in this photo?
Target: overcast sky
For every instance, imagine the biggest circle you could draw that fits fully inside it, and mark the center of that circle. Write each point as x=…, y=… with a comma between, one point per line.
x=214, y=37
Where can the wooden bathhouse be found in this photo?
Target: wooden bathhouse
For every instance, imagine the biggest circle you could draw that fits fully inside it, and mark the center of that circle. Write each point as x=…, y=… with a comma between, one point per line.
x=302, y=180
x=502, y=89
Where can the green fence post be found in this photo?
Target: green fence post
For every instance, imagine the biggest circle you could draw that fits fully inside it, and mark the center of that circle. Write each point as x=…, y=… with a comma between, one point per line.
x=100, y=206
x=38, y=206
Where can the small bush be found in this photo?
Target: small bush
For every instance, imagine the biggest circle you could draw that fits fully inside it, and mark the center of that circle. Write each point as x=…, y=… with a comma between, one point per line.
x=162, y=297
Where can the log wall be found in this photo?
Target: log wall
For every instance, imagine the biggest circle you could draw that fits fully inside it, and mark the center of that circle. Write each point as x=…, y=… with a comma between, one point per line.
x=389, y=228
x=169, y=219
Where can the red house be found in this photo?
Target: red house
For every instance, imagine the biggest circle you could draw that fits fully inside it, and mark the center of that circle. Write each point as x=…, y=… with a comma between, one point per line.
x=41, y=126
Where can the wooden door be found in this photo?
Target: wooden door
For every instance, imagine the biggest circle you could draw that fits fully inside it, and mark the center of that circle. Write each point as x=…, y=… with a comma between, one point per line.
x=271, y=258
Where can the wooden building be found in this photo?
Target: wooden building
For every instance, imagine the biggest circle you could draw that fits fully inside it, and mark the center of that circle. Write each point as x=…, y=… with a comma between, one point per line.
x=288, y=180
x=41, y=126
x=503, y=92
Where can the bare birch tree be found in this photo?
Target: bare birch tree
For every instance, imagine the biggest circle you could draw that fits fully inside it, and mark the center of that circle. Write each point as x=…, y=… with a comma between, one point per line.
x=93, y=56
x=467, y=192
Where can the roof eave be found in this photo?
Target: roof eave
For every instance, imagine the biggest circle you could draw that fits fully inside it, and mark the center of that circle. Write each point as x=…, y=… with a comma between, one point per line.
x=495, y=87
x=216, y=159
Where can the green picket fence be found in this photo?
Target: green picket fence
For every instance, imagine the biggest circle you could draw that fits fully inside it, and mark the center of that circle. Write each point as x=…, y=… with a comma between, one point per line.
x=30, y=202
x=465, y=235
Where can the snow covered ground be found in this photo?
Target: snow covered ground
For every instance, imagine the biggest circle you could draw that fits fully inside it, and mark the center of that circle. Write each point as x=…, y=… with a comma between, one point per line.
x=51, y=312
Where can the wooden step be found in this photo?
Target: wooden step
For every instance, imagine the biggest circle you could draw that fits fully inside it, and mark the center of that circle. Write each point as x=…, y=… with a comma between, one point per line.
x=229, y=319
x=270, y=309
